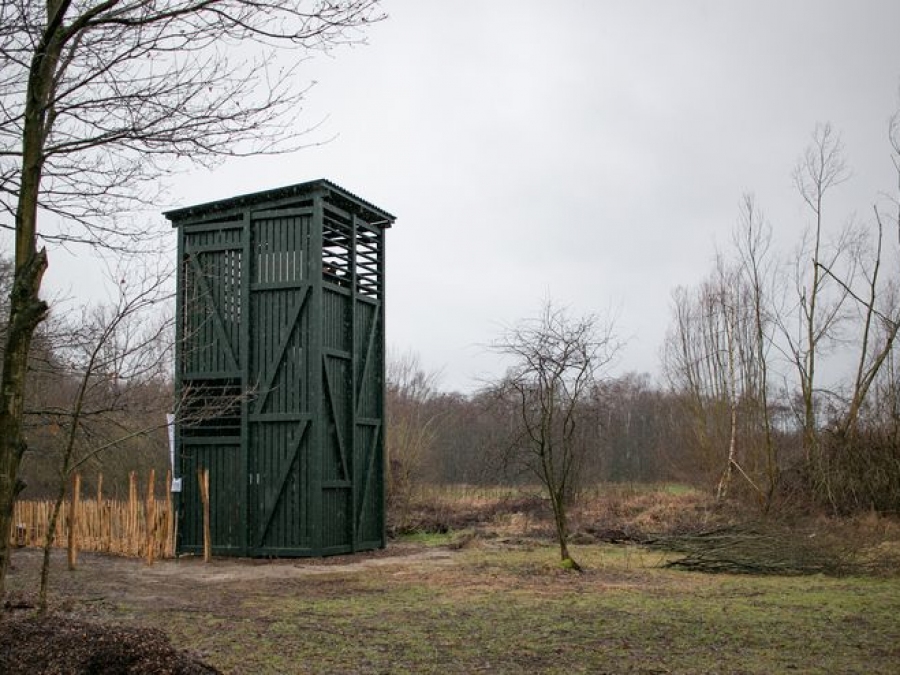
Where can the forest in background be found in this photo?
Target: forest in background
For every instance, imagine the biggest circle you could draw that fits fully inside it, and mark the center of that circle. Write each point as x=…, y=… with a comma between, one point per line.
x=779, y=383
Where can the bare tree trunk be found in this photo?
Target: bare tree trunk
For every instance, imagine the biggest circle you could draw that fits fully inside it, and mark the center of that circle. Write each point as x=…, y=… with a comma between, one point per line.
x=26, y=309
x=752, y=244
x=48, y=548
x=729, y=320
x=560, y=521
x=725, y=480
x=557, y=361
x=821, y=168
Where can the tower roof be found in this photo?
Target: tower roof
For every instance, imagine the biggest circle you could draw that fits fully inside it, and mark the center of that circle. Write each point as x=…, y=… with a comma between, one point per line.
x=332, y=192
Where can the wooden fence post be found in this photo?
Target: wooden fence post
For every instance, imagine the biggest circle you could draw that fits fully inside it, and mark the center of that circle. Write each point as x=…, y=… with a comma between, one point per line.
x=203, y=478
x=72, y=548
x=131, y=545
x=98, y=545
x=150, y=516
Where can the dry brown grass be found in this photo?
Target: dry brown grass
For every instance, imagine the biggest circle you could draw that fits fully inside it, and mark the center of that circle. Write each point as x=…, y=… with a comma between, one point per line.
x=602, y=513
x=646, y=512
x=709, y=536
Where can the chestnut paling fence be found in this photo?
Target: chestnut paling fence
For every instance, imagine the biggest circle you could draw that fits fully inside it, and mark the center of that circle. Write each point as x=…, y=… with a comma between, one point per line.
x=141, y=526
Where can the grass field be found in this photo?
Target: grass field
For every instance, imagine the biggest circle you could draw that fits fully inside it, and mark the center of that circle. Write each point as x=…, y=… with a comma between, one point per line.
x=479, y=590
x=491, y=608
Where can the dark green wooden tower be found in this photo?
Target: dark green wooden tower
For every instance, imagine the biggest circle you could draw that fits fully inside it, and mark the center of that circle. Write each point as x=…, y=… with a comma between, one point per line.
x=280, y=371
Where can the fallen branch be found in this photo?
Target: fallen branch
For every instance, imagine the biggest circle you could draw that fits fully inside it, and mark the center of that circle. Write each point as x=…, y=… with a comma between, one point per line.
x=752, y=549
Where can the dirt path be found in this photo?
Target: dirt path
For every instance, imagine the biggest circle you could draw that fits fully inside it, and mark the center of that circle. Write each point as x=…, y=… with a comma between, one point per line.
x=103, y=579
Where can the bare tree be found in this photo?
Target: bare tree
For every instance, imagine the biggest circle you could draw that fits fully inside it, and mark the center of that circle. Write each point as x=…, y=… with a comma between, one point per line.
x=634, y=420
x=694, y=365
x=859, y=468
x=752, y=239
x=411, y=427
x=842, y=299
x=820, y=169
x=731, y=312
x=469, y=439
x=99, y=98
x=111, y=351
x=880, y=322
x=113, y=360
x=556, y=361
x=689, y=361
x=710, y=358
x=877, y=302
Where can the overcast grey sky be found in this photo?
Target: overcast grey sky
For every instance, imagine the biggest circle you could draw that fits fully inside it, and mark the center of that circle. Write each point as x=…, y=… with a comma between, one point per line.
x=594, y=152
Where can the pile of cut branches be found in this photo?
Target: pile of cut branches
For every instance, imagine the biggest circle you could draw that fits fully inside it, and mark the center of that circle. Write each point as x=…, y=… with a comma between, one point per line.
x=764, y=549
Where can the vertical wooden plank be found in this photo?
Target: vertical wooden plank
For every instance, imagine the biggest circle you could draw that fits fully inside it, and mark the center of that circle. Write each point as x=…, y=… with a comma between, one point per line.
x=314, y=340
x=132, y=517
x=352, y=394
x=380, y=382
x=150, y=518
x=247, y=453
x=306, y=376
x=74, y=505
x=180, y=290
x=203, y=482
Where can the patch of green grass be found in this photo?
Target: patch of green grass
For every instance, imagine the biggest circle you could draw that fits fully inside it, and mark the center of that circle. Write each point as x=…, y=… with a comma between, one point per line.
x=676, y=489
x=428, y=538
x=464, y=493
x=621, y=490
x=516, y=611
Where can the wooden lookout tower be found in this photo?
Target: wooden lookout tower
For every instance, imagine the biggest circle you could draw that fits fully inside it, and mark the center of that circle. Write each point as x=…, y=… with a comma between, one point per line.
x=280, y=371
